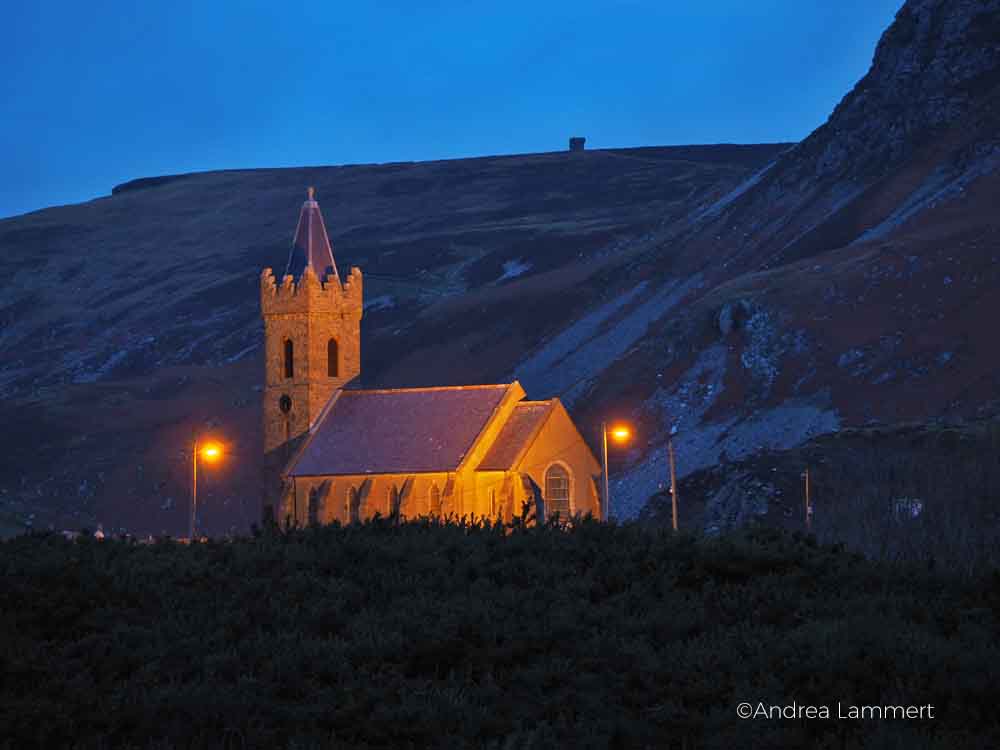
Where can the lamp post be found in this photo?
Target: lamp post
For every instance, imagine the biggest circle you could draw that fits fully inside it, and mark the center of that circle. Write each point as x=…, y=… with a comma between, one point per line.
x=211, y=451
x=620, y=433
x=809, y=509
x=604, y=440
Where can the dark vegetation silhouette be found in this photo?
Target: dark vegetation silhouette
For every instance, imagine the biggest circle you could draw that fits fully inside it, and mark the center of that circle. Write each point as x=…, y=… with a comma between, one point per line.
x=419, y=634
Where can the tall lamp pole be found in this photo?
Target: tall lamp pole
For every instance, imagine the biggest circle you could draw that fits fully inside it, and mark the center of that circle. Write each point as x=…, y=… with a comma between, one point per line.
x=620, y=434
x=809, y=508
x=604, y=440
x=194, y=489
x=211, y=452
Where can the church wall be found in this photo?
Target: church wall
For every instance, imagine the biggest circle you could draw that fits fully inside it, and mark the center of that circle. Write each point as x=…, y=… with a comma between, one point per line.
x=560, y=440
x=374, y=490
x=482, y=483
x=509, y=489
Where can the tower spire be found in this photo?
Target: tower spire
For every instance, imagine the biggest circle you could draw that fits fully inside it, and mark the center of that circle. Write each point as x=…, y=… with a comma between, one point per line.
x=311, y=245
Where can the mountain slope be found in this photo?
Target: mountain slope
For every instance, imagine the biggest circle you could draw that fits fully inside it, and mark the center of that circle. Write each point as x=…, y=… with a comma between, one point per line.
x=855, y=279
x=131, y=320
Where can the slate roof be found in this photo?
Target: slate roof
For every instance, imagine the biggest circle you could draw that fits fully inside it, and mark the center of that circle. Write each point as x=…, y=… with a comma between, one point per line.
x=311, y=246
x=520, y=428
x=398, y=431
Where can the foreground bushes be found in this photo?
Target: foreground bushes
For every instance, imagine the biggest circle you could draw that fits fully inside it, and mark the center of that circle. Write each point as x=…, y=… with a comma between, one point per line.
x=426, y=635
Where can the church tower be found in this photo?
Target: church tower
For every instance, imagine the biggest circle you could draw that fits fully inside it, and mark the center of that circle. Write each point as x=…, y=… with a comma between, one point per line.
x=312, y=341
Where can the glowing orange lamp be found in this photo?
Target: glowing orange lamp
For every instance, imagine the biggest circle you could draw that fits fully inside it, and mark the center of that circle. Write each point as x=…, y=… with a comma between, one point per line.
x=211, y=452
x=620, y=433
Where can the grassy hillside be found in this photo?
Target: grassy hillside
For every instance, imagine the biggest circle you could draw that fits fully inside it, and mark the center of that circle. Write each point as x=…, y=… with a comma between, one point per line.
x=427, y=635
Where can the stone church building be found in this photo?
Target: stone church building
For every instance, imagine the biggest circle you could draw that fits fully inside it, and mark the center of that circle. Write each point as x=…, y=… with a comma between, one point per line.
x=336, y=451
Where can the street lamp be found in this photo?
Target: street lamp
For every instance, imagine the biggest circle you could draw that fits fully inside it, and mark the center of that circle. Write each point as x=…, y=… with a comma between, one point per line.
x=211, y=452
x=620, y=434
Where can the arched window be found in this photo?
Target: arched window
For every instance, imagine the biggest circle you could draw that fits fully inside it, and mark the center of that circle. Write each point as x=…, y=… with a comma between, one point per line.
x=353, y=505
x=557, y=491
x=332, y=367
x=289, y=359
x=435, y=501
x=493, y=503
x=394, y=502
x=507, y=513
x=313, y=506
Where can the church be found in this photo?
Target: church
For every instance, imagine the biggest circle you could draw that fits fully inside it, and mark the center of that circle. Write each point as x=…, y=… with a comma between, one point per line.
x=334, y=451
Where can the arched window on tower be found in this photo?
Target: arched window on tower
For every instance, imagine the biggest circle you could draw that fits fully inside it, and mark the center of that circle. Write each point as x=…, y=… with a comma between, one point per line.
x=332, y=364
x=289, y=359
x=557, y=491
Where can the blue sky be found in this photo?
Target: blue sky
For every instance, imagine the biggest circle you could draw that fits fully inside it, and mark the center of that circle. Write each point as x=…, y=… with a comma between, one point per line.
x=97, y=93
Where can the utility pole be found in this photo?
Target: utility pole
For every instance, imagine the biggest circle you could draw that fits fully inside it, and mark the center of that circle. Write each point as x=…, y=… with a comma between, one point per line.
x=809, y=510
x=194, y=489
x=673, y=474
x=673, y=480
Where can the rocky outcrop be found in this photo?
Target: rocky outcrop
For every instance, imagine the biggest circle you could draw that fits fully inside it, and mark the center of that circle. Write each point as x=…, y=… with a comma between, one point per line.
x=931, y=66
x=927, y=103
x=738, y=502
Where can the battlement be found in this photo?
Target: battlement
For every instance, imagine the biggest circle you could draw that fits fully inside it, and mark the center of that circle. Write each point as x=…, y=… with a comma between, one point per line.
x=310, y=295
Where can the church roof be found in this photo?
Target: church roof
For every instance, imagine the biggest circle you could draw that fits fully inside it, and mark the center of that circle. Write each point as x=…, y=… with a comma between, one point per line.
x=406, y=430
x=515, y=436
x=311, y=246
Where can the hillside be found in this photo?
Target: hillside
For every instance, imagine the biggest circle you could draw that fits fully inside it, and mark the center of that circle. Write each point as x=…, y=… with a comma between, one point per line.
x=130, y=320
x=755, y=296
x=853, y=281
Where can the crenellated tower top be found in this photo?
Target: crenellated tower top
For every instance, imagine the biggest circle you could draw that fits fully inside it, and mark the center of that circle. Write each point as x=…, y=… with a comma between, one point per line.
x=308, y=294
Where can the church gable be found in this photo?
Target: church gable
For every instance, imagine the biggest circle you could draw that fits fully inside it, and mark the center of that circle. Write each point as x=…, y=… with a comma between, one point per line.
x=559, y=462
x=516, y=435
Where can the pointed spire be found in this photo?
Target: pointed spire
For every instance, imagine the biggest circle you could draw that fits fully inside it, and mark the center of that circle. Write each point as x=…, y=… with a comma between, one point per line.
x=311, y=246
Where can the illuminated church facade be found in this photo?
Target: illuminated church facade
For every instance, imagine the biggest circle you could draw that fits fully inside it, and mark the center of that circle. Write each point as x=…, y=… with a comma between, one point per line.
x=335, y=451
